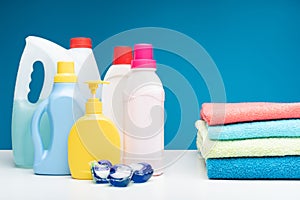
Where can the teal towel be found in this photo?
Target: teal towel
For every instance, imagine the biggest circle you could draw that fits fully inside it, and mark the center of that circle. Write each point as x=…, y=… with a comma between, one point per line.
x=261, y=129
x=286, y=167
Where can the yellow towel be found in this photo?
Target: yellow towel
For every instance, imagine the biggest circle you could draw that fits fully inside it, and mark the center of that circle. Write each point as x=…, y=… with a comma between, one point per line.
x=244, y=148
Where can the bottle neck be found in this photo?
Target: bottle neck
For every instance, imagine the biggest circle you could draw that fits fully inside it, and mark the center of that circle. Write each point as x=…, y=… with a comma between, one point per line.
x=93, y=106
x=143, y=69
x=64, y=88
x=66, y=84
x=81, y=49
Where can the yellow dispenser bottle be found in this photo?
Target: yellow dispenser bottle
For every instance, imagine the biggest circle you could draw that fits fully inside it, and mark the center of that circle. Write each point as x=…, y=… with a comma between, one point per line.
x=92, y=137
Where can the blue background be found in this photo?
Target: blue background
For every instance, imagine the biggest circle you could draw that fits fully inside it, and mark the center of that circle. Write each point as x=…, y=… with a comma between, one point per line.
x=255, y=44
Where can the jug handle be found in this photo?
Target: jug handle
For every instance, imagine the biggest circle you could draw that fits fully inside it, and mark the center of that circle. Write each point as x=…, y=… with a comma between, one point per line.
x=39, y=151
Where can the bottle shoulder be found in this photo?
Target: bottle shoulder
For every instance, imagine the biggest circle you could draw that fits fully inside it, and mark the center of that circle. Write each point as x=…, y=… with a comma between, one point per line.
x=89, y=120
x=116, y=71
x=94, y=117
x=146, y=75
x=80, y=51
x=137, y=81
x=63, y=90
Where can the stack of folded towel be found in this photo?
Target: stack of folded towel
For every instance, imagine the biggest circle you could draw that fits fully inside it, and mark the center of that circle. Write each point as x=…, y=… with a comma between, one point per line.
x=250, y=140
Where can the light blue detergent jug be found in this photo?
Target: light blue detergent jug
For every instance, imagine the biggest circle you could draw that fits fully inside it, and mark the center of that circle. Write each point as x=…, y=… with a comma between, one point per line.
x=61, y=108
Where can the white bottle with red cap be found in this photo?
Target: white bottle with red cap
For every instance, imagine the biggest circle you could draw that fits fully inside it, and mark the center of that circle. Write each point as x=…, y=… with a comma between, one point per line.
x=85, y=67
x=112, y=94
x=144, y=98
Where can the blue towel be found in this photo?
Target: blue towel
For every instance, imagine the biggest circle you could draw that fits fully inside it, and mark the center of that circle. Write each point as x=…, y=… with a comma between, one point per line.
x=286, y=167
x=260, y=129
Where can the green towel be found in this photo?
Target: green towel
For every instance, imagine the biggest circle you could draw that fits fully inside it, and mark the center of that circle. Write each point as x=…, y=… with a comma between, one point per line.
x=244, y=148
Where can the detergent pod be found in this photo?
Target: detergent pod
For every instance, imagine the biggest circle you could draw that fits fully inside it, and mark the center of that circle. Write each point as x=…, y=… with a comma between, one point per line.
x=142, y=172
x=100, y=171
x=120, y=175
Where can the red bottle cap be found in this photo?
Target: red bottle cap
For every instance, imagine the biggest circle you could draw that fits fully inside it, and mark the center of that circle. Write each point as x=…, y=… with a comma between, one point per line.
x=122, y=55
x=80, y=42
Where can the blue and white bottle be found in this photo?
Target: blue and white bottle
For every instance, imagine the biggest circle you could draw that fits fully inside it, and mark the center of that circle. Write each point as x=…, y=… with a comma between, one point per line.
x=60, y=107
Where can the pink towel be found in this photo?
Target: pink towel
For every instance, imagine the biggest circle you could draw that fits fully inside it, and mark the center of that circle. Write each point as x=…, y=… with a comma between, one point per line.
x=227, y=113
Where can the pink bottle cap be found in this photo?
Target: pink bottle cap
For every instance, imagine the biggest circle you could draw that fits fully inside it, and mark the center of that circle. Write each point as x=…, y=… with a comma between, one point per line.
x=143, y=56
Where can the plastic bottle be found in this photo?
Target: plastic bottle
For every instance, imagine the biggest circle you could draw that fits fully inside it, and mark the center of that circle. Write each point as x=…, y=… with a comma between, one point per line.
x=60, y=106
x=144, y=111
x=36, y=49
x=85, y=66
x=92, y=137
x=112, y=94
x=49, y=53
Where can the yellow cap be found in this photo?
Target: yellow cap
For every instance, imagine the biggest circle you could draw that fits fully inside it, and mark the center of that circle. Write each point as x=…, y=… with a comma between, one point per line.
x=65, y=73
x=93, y=105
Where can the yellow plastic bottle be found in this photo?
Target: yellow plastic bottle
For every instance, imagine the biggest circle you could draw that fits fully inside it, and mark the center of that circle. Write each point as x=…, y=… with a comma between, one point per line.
x=92, y=137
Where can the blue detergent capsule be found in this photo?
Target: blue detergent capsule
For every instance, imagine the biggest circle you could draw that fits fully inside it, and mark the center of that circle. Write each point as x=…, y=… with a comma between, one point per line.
x=142, y=172
x=100, y=171
x=120, y=175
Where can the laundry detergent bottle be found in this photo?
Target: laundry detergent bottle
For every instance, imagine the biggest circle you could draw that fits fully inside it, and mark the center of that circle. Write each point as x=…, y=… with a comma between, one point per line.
x=36, y=49
x=144, y=111
x=112, y=94
x=60, y=107
x=85, y=66
x=93, y=137
x=48, y=53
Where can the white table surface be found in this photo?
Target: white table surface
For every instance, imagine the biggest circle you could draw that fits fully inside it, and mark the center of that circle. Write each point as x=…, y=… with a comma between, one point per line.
x=184, y=178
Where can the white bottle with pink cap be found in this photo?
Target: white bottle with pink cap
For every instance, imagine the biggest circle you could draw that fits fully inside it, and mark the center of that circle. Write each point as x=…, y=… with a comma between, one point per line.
x=144, y=111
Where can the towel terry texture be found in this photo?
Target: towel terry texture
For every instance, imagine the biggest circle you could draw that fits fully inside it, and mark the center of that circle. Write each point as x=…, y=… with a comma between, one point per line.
x=258, y=140
x=261, y=129
x=286, y=167
x=227, y=113
x=244, y=148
